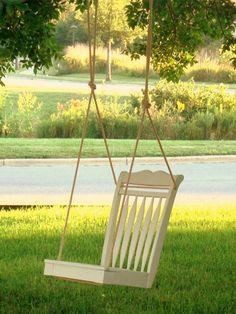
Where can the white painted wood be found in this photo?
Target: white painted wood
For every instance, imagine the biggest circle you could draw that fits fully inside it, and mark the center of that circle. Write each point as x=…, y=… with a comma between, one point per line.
x=146, y=186
x=144, y=193
x=143, y=234
x=120, y=231
x=150, y=234
x=111, y=227
x=125, y=236
x=159, y=239
x=94, y=274
x=125, y=277
x=147, y=177
x=135, y=236
x=127, y=233
x=74, y=271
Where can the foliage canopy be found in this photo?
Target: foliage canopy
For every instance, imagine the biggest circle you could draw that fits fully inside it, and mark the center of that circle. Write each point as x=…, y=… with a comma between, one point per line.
x=179, y=29
x=27, y=29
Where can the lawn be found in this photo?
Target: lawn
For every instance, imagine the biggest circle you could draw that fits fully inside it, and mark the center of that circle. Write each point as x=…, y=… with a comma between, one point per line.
x=196, y=272
x=50, y=97
x=68, y=148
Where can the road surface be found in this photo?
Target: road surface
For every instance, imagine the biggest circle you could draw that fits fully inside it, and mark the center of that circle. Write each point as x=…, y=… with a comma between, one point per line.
x=208, y=182
x=35, y=82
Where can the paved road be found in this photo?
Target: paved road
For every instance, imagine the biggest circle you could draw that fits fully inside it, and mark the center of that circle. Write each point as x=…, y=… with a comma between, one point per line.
x=35, y=82
x=70, y=85
x=50, y=184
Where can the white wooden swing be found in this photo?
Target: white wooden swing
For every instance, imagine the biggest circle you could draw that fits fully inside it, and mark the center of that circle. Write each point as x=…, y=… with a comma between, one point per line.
x=140, y=212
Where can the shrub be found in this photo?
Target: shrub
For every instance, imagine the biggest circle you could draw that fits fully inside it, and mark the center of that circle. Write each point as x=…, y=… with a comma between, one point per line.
x=192, y=112
x=210, y=72
x=225, y=125
x=28, y=114
x=204, y=122
x=185, y=99
x=175, y=98
x=3, y=126
x=179, y=111
x=20, y=119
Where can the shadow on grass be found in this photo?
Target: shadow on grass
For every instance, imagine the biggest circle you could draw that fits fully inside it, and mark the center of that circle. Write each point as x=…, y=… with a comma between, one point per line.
x=196, y=275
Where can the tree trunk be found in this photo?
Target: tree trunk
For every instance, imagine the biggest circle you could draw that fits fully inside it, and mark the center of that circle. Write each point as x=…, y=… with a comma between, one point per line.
x=17, y=63
x=108, y=67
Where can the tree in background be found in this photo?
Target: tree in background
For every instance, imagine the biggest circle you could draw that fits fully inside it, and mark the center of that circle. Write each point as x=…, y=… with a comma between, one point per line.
x=112, y=28
x=27, y=29
x=69, y=29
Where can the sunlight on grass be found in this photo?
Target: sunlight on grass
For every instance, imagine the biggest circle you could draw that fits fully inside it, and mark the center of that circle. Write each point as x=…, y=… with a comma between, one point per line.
x=68, y=148
x=196, y=273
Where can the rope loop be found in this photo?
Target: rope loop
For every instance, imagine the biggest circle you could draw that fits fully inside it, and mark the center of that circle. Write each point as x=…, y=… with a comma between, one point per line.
x=146, y=103
x=92, y=85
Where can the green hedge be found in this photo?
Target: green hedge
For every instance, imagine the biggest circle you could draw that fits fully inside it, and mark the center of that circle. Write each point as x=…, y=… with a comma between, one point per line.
x=179, y=111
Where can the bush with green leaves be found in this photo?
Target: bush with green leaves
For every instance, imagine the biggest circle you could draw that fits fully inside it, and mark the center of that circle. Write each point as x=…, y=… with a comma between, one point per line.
x=210, y=72
x=185, y=99
x=68, y=120
x=179, y=111
x=2, y=113
x=29, y=109
x=20, y=119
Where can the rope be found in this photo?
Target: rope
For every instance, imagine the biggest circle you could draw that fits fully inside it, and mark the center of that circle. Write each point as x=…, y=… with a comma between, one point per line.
x=74, y=180
x=104, y=138
x=145, y=101
x=161, y=148
x=92, y=85
x=145, y=105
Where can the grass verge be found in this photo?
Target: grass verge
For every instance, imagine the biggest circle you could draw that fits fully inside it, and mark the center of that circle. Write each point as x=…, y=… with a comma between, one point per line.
x=68, y=148
x=196, y=272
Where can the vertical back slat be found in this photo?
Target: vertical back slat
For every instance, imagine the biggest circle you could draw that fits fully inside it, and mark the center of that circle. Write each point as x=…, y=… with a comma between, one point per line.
x=110, y=232
x=134, y=239
x=150, y=234
x=143, y=234
x=127, y=233
x=120, y=229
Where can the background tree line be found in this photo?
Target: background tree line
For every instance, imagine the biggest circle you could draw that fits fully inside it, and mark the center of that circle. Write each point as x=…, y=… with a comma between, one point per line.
x=28, y=28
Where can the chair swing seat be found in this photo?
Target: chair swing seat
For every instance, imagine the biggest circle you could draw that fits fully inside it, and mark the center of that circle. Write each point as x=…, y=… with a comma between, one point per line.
x=94, y=274
x=135, y=233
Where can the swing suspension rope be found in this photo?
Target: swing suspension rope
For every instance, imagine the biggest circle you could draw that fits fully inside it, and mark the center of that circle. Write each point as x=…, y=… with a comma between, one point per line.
x=145, y=111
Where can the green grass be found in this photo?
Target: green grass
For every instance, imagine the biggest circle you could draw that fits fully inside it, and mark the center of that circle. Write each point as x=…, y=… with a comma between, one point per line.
x=50, y=97
x=196, y=272
x=68, y=148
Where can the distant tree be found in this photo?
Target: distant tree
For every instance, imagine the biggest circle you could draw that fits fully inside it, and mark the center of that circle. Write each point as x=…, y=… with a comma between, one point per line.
x=69, y=29
x=112, y=27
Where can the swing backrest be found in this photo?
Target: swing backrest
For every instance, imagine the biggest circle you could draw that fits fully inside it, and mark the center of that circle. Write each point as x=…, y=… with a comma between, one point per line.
x=135, y=233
